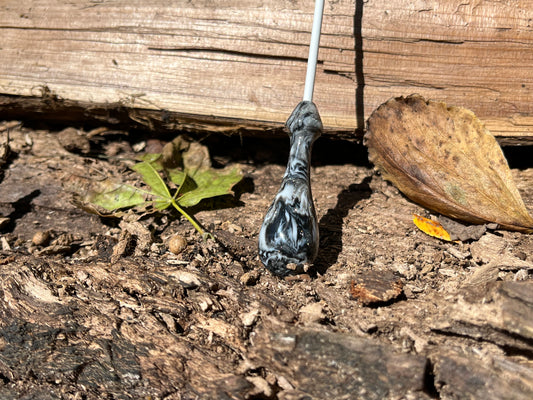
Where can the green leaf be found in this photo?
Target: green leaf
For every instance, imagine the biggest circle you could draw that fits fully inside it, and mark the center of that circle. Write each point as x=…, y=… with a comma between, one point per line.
x=152, y=178
x=152, y=158
x=184, y=182
x=210, y=183
x=195, y=181
x=112, y=196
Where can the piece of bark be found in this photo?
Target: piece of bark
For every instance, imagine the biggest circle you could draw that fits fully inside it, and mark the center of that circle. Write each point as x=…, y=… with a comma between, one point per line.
x=376, y=287
x=460, y=231
x=126, y=330
x=506, y=320
x=502, y=314
x=490, y=272
x=86, y=339
x=340, y=365
x=461, y=376
x=488, y=248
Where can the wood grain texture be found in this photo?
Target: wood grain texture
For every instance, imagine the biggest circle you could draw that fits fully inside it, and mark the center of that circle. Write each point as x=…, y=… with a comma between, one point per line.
x=245, y=60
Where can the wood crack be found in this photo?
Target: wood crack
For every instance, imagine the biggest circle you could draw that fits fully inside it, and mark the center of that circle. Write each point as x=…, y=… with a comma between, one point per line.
x=245, y=54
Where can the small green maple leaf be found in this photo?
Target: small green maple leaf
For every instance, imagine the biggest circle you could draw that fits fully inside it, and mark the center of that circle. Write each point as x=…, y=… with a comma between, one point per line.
x=193, y=185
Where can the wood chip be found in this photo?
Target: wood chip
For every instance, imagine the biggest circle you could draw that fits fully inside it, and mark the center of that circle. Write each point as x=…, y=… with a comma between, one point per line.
x=460, y=231
x=312, y=313
x=376, y=287
x=186, y=279
x=250, y=278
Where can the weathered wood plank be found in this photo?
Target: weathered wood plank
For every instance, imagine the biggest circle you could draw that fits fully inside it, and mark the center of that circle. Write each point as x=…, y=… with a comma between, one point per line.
x=245, y=60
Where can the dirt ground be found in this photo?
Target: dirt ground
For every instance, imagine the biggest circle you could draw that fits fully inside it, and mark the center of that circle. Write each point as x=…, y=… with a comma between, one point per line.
x=96, y=308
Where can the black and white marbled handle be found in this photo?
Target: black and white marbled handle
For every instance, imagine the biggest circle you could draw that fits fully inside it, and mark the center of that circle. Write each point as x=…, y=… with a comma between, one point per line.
x=288, y=239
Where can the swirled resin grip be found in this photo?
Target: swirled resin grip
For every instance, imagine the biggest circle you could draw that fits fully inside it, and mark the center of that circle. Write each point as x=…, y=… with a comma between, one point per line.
x=288, y=239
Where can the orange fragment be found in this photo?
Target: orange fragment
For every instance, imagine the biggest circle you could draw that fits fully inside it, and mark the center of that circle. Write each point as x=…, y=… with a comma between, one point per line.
x=431, y=228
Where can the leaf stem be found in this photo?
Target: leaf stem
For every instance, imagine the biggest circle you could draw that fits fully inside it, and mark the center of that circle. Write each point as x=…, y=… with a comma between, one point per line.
x=205, y=235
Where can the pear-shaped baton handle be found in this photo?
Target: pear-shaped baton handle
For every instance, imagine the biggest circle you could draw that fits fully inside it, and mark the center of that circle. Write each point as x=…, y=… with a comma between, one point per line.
x=288, y=240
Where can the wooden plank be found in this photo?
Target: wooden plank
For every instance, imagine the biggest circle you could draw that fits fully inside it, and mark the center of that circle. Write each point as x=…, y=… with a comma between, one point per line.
x=244, y=61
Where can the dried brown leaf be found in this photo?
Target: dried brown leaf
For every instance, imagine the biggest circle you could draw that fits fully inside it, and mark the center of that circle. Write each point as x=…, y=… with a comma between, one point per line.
x=446, y=160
